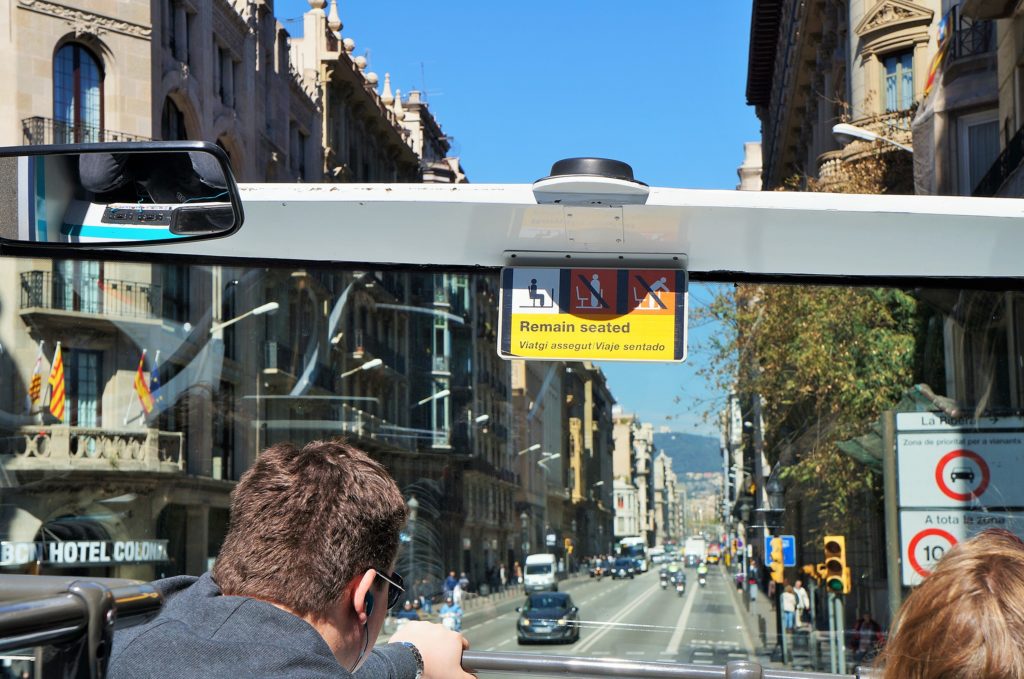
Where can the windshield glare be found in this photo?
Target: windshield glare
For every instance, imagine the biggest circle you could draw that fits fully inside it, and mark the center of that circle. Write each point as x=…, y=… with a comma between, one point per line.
x=134, y=394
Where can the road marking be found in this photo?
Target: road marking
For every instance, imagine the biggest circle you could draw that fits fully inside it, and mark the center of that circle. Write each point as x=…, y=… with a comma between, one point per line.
x=636, y=653
x=582, y=648
x=684, y=616
x=504, y=643
x=748, y=640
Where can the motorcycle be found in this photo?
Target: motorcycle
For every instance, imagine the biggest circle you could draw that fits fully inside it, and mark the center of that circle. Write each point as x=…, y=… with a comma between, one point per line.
x=680, y=588
x=702, y=580
x=452, y=621
x=664, y=582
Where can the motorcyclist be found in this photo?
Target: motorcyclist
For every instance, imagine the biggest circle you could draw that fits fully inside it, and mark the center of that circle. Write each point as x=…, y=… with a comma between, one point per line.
x=702, y=569
x=451, y=611
x=407, y=612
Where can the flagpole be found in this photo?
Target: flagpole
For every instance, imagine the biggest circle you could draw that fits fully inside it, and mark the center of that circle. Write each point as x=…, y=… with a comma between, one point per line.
x=132, y=396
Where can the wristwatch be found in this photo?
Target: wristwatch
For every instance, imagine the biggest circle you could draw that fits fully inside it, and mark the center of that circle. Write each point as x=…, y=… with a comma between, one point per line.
x=415, y=654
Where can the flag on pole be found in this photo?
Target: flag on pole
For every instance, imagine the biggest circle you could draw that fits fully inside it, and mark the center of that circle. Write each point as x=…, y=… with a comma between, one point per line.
x=56, y=382
x=35, y=387
x=154, y=379
x=141, y=388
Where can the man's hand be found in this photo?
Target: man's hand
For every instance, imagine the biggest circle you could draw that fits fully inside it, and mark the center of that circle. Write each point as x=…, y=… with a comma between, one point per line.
x=441, y=649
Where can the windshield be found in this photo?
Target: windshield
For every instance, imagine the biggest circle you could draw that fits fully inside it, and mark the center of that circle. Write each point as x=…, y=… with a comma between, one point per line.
x=134, y=394
x=547, y=601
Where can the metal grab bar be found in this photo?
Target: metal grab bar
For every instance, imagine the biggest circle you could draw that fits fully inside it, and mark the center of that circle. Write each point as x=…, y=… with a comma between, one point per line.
x=83, y=616
x=547, y=665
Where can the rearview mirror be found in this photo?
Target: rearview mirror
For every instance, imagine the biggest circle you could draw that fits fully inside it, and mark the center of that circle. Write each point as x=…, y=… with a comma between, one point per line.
x=94, y=195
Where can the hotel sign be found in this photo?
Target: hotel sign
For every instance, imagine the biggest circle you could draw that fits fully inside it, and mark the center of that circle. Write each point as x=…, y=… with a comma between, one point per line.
x=83, y=552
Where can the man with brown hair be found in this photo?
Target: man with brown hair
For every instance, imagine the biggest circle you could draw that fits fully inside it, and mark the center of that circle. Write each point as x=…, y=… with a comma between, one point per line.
x=301, y=586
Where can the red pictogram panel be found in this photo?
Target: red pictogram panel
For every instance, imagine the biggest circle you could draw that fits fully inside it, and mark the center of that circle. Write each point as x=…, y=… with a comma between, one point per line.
x=592, y=291
x=948, y=473
x=916, y=541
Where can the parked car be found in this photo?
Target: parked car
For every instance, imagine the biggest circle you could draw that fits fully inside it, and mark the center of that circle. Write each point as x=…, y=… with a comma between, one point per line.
x=548, y=616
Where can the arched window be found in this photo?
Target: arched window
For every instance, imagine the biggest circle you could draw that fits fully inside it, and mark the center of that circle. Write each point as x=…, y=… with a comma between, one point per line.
x=172, y=122
x=77, y=95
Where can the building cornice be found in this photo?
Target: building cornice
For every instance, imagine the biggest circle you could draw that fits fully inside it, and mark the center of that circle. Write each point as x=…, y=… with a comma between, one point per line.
x=86, y=22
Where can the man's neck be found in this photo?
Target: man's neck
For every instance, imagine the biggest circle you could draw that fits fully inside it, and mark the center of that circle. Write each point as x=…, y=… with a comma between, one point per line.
x=331, y=630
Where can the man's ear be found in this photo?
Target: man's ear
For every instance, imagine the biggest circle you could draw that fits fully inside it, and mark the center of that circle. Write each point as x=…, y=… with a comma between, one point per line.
x=361, y=586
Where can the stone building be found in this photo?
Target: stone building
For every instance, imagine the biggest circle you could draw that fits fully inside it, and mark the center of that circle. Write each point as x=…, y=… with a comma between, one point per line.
x=221, y=71
x=813, y=65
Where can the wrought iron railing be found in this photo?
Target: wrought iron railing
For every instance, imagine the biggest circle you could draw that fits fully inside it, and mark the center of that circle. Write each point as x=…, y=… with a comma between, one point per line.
x=38, y=130
x=90, y=294
x=970, y=37
x=1003, y=166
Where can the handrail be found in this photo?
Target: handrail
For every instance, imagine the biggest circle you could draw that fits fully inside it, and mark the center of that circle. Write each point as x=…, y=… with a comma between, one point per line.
x=548, y=665
x=85, y=613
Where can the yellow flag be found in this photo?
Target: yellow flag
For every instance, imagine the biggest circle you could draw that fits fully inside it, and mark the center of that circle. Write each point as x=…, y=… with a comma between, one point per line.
x=56, y=382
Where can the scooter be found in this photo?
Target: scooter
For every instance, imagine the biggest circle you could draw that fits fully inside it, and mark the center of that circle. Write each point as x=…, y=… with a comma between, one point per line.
x=451, y=621
x=680, y=588
x=664, y=580
x=701, y=580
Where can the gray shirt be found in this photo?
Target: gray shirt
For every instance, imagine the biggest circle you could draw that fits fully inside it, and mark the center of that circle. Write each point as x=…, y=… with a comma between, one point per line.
x=202, y=633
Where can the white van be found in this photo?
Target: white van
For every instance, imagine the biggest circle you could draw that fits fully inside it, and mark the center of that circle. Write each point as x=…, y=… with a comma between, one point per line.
x=539, y=575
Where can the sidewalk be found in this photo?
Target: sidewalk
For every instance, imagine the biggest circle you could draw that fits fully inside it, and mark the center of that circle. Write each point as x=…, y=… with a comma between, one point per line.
x=760, y=622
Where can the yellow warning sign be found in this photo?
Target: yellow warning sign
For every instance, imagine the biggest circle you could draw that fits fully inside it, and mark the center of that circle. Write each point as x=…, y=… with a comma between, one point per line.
x=593, y=314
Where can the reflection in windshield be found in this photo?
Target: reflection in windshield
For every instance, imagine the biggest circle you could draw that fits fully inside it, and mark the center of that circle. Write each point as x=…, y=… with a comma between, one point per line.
x=133, y=395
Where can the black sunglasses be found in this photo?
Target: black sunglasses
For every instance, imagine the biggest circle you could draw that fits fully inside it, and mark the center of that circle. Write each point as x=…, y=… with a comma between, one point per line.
x=395, y=590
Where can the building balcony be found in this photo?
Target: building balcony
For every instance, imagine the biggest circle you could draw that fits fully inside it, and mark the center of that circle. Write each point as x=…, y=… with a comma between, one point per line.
x=47, y=295
x=38, y=130
x=60, y=448
x=894, y=125
x=1005, y=165
x=971, y=36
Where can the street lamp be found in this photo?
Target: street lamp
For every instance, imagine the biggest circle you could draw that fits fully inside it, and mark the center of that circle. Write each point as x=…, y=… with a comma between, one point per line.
x=433, y=397
x=262, y=309
x=413, y=505
x=845, y=133
x=369, y=365
x=524, y=517
x=535, y=446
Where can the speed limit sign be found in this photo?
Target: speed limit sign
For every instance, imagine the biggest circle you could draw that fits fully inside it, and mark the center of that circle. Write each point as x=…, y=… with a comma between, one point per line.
x=927, y=535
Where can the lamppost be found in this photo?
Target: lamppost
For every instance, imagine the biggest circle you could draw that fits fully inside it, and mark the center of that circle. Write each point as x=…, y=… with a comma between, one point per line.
x=413, y=505
x=369, y=365
x=845, y=133
x=524, y=518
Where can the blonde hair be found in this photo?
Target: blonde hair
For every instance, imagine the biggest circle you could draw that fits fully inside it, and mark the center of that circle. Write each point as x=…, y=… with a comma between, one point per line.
x=966, y=620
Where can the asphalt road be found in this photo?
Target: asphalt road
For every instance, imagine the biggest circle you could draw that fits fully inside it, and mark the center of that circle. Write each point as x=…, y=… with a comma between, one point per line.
x=633, y=620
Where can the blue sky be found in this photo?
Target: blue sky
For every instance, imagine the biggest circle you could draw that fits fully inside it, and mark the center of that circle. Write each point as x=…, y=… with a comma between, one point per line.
x=656, y=83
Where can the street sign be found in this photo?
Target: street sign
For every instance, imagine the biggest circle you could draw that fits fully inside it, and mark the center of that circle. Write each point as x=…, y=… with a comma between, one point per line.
x=788, y=550
x=593, y=314
x=951, y=468
x=925, y=536
x=550, y=539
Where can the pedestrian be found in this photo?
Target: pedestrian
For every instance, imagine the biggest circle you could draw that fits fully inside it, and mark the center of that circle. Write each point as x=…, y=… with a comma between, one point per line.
x=407, y=612
x=966, y=619
x=449, y=584
x=464, y=581
x=518, y=570
x=866, y=638
x=803, y=604
x=457, y=594
x=502, y=577
x=788, y=608
x=772, y=591
x=301, y=586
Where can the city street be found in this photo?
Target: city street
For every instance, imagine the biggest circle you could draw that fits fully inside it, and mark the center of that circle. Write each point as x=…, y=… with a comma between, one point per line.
x=633, y=619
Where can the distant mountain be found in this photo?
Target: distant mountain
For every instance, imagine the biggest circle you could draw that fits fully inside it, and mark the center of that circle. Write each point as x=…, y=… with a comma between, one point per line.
x=690, y=452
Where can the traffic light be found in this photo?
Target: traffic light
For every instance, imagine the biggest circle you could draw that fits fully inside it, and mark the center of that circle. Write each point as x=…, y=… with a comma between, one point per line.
x=837, y=573
x=777, y=565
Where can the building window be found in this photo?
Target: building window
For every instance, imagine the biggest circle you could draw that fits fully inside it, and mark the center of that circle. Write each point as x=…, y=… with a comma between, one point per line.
x=899, y=81
x=77, y=95
x=84, y=387
x=224, y=77
x=977, y=147
x=78, y=285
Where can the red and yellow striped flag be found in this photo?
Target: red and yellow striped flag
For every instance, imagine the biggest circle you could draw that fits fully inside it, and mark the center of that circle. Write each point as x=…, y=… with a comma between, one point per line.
x=35, y=387
x=141, y=388
x=56, y=382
